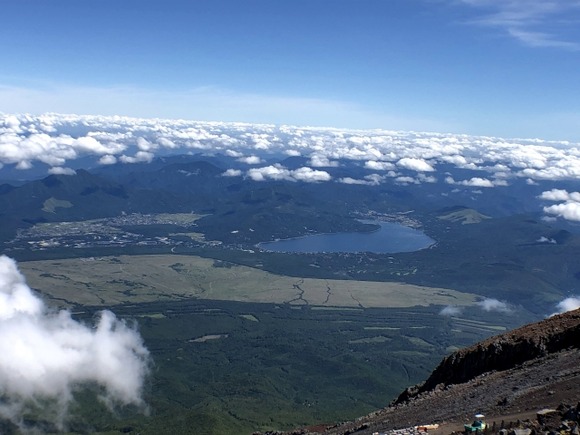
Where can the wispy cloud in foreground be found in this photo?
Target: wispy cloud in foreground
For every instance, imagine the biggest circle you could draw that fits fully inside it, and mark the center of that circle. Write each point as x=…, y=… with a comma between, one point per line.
x=569, y=304
x=535, y=23
x=47, y=355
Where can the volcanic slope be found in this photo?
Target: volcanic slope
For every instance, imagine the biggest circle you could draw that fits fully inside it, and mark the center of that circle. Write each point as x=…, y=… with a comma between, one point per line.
x=507, y=377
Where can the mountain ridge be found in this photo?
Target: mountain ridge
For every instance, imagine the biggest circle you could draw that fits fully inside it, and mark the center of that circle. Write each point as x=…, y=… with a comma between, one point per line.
x=500, y=385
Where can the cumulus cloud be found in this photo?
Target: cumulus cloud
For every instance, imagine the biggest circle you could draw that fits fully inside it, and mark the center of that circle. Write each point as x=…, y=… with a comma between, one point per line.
x=349, y=180
x=415, y=164
x=250, y=160
x=406, y=180
x=49, y=355
x=232, y=173
x=58, y=170
x=560, y=195
x=379, y=166
x=278, y=172
x=310, y=175
x=494, y=305
x=569, y=207
x=139, y=157
x=569, y=210
x=108, y=160
x=318, y=161
x=473, y=182
x=273, y=172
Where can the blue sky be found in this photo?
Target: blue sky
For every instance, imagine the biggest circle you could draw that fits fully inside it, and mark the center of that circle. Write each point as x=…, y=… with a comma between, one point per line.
x=489, y=67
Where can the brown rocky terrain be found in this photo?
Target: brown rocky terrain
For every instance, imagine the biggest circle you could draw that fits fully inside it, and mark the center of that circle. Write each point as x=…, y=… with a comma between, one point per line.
x=509, y=378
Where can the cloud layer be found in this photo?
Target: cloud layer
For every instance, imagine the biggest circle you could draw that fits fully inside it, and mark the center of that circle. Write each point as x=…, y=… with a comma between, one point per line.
x=57, y=141
x=47, y=355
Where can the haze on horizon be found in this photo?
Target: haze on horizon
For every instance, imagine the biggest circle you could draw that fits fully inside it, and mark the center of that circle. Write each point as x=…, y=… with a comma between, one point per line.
x=482, y=67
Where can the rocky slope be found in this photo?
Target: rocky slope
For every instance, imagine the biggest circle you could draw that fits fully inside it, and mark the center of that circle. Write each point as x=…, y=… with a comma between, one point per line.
x=509, y=376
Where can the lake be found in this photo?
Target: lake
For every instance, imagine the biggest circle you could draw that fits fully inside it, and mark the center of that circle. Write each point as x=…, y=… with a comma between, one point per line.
x=389, y=239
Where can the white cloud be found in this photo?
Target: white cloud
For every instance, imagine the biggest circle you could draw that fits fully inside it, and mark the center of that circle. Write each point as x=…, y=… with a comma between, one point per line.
x=139, y=157
x=545, y=239
x=144, y=145
x=560, y=195
x=108, y=160
x=58, y=170
x=318, y=161
x=278, y=172
x=232, y=173
x=234, y=153
x=569, y=208
x=494, y=305
x=475, y=182
x=568, y=304
x=349, y=180
x=406, y=180
x=379, y=166
x=48, y=355
x=310, y=175
x=274, y=172
x=450, y=310
x=27, y=139
x=415, y=164
x=250, y=160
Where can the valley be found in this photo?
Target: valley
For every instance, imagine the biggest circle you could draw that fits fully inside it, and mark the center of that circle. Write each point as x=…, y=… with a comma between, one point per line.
x=245, y=339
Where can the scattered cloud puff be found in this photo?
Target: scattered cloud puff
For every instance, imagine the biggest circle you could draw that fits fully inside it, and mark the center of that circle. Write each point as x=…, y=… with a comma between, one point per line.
x=379, y=166
x=473, y=182
x=139, y=157
x=451, y=310
x=486, y=304
x=319, y=161
x=278, y=172
x=108, y=160
x=59, y=170
x=250, y=160
x=57, y=140
x=47, y=355
x=545, y=239
x=569, y=207
x=232, y=173
x=494, y=305
x=568, y=304
x=415, y=164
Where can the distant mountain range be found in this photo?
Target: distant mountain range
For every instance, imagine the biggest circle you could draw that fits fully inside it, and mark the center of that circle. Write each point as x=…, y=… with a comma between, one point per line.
x=492, y=241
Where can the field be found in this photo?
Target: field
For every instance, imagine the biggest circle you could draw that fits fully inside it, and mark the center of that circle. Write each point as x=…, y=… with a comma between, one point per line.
x=148, y=278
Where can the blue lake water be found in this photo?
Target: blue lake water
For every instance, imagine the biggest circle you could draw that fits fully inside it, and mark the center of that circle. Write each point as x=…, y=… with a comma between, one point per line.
x=389, y=239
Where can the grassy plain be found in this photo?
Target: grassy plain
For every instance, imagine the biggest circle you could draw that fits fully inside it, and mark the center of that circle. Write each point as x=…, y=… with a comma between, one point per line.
x=148, y=278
